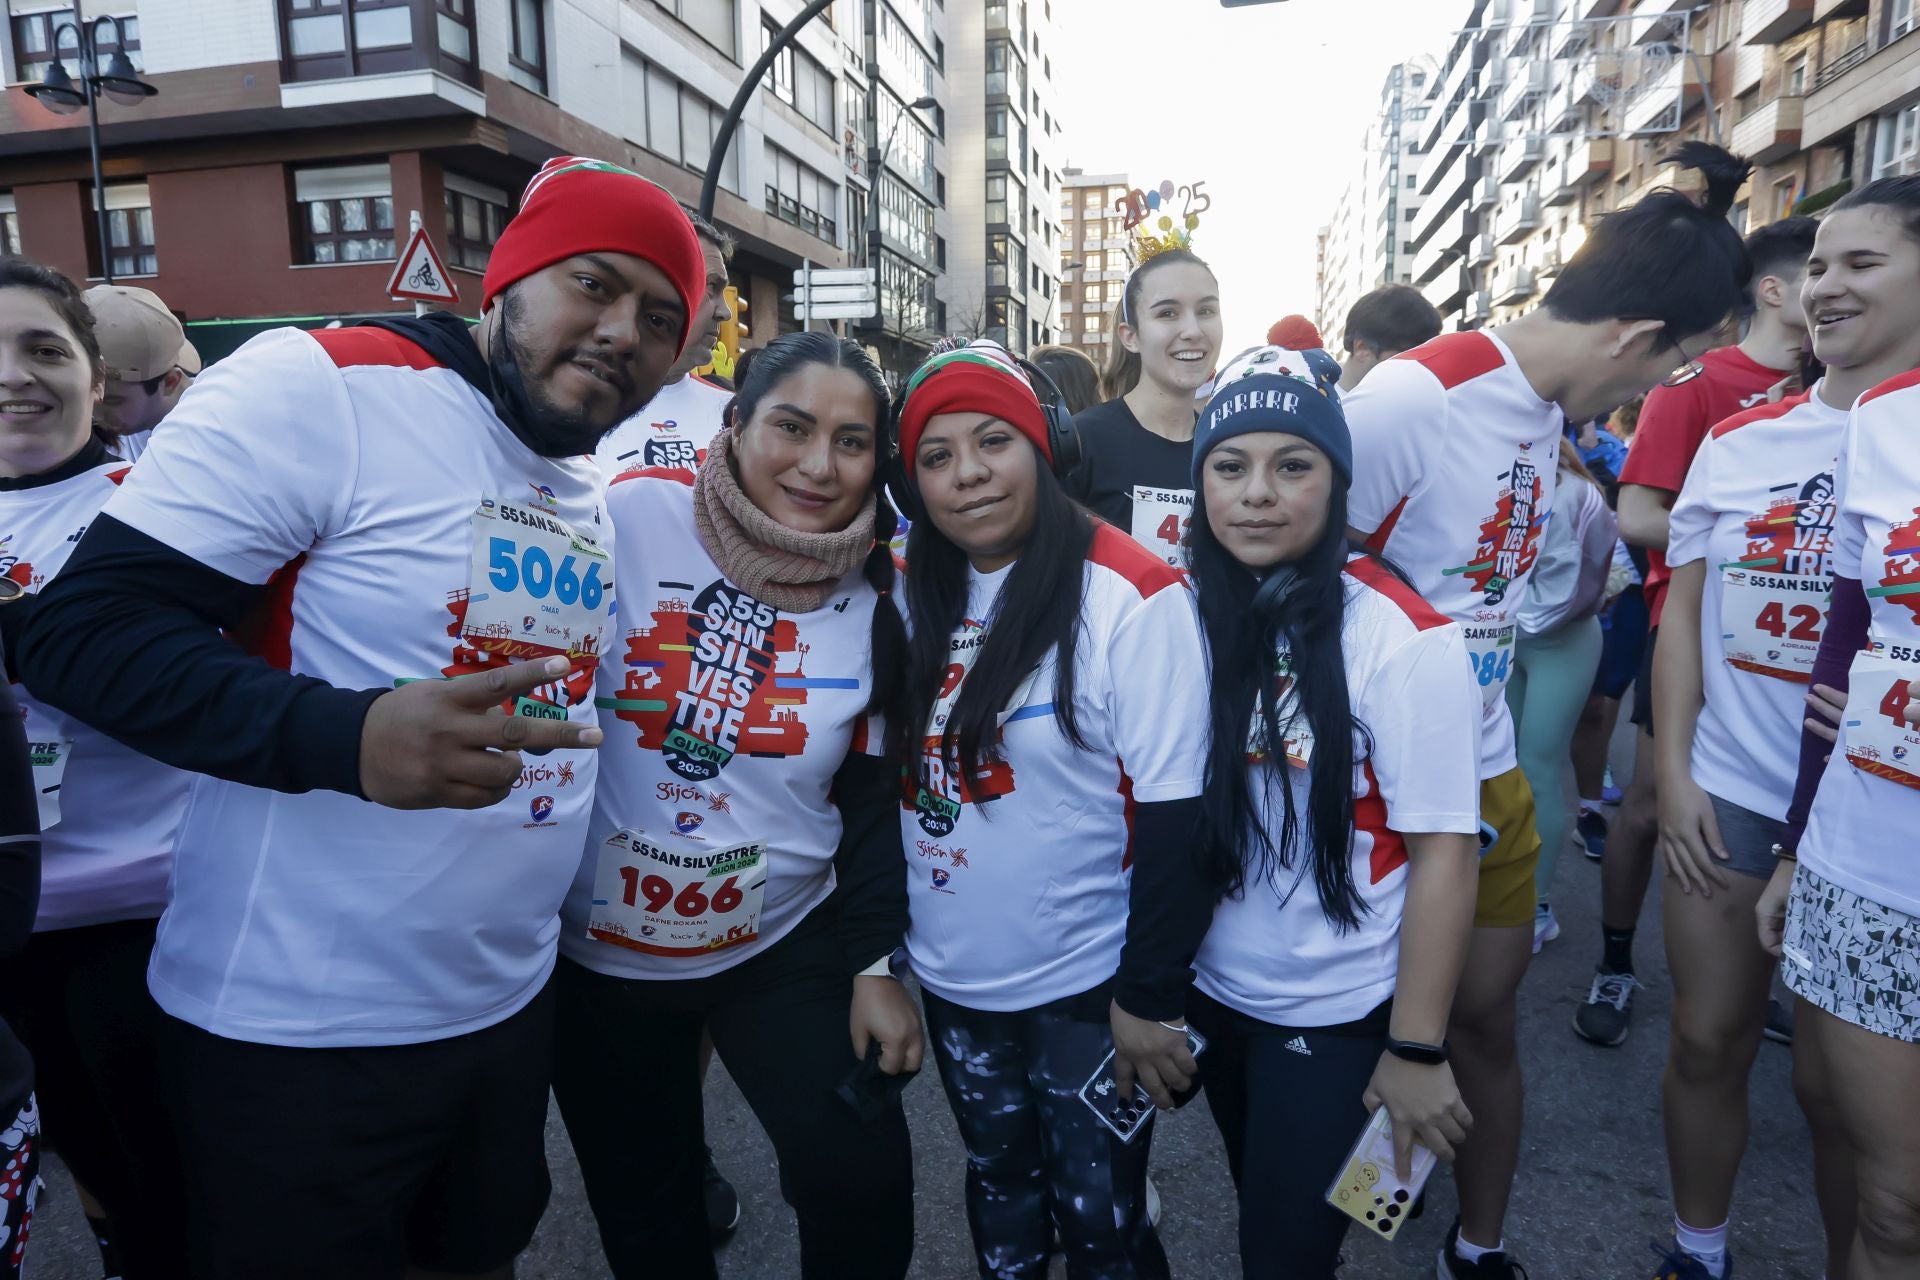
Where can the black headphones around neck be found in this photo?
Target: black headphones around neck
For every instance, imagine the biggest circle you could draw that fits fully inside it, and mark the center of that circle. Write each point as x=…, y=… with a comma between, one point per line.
x=1063, y=441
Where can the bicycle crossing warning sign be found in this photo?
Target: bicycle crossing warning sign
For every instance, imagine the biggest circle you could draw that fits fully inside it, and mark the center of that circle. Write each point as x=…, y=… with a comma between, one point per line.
x=420, y=274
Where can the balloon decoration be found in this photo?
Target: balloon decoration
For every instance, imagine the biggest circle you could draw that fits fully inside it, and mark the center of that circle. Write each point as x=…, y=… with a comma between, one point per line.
x=1178, y=208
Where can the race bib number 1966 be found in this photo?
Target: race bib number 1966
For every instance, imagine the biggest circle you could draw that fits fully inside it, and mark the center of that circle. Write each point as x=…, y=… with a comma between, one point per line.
x=677, y=898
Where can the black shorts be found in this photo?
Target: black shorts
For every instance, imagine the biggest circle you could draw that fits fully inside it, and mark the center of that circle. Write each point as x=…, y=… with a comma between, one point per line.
x=1643, y=688
x=357, y=1163
x=1624, y=647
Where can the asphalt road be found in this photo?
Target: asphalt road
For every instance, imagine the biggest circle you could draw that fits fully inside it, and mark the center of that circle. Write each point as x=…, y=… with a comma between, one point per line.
x=1591, y=1194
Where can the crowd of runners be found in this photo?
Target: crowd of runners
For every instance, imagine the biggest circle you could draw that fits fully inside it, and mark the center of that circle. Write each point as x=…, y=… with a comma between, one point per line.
x=420, y=720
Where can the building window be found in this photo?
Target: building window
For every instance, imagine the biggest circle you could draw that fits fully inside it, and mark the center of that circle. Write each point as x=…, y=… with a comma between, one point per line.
x=1092, y=322
x=129, y=232
x=901, y=54
x=939, y=252
x=33, y=42
x=1006, y=262
x=329, y=39
x=527, y=59
x=673, y=121
x=476, y=214
x=996, y=133
x=907, y=219
x=940, y=188
x=1899, y=18
x=906, y=295
x=800, y=81
x=1896, y=146
x=712, y=20
x=9, y=228
x=801, y=196
x=1796, y=85
x=346, y=213
x=912, y=152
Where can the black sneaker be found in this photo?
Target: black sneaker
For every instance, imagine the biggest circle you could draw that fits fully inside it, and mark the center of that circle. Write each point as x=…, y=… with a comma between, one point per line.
x=1491, y=1266
x=1593, y=833
x=1677, y=1264
x=723, y=1206
x=1605, y=1018
x=1779, y=1022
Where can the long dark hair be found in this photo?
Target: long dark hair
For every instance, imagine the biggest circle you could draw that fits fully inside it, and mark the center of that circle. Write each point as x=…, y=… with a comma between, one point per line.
x=1122, y=373
x=1246, y=619
x=1038, y=611
x=759, y=372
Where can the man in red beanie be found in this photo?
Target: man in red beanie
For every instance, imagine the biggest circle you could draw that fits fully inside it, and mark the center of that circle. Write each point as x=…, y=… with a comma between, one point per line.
x=401, y=526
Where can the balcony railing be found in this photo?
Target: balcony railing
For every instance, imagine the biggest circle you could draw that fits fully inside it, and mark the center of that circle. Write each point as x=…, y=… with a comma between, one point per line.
x=1515, y=286
x=1519, y=156
x=1661, y=103
x=1518, y=220
x=1841, y=65
x=790, y=210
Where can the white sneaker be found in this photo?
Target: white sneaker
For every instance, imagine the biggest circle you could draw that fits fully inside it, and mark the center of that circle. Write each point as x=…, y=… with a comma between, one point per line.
x=1546, y=927
x=1153, y=1203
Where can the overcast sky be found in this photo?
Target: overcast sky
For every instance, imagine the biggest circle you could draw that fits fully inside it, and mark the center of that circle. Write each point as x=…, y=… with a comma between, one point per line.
x=1268, y=105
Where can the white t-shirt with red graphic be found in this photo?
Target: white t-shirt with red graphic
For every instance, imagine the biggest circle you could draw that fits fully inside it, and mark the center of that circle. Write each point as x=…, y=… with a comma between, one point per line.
x=726, y=719
x=109, y=816
x=1018, y=876
x=1860, y=834
x=672, y=431
x=1454, y=462
x=1758, y=508
x=409, y=535
x=1271, y=953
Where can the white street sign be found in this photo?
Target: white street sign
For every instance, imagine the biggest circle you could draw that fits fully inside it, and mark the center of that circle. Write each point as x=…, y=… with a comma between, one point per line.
x=835, y=275
x=839, y=310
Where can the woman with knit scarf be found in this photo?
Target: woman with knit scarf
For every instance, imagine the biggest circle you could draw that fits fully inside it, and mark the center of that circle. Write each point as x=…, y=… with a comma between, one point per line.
x=1054, y=720
x=744, y=869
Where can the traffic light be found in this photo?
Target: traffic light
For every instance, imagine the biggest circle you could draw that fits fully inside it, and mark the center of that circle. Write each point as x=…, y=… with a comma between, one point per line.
x=733, y=331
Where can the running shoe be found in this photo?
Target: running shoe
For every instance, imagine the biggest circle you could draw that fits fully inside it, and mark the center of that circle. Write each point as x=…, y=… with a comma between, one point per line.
x=1491, y=1266
x=1677, y=1264
x=1153, y=1203
x=1604, y=1019
x=723, y=1205
x=1593, y=833
x=1546, y=927
x=1779, y=1022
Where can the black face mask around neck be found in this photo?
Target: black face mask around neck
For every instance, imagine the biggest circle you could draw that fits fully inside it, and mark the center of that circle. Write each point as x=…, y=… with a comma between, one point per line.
x=449, y=339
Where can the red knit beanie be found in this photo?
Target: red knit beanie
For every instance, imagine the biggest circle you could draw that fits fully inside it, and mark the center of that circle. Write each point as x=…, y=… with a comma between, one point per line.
x=574, y=206
x=978, y=378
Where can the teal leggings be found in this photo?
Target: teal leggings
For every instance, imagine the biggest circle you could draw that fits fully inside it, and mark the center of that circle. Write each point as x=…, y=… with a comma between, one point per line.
x=1552, y=676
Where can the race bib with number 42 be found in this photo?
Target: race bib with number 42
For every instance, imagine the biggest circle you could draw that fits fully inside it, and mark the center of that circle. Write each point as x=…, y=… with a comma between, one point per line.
x=1879, y=739
x=1771, y=623
x=1160, y=520
x=677, y=898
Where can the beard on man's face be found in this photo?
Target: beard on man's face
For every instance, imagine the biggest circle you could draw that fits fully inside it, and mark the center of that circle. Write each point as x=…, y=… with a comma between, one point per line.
x=552, y=431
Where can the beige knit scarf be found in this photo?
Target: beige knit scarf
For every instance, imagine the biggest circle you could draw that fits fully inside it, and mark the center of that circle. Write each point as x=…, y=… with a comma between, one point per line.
x=794, y=572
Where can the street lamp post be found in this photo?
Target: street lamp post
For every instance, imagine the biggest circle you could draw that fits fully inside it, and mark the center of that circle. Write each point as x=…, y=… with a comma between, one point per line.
x=878, y=163
x=1054, y=306
x=120, y=82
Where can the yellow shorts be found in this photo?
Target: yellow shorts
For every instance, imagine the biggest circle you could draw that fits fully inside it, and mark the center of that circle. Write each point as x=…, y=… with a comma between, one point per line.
x=1507, y=896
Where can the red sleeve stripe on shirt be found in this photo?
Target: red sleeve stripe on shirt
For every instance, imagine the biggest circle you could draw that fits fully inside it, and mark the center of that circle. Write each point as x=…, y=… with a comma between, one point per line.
x=1114, y=550
x=1761, y=413
x=1899, y=383
x=1457, y=358
x=119, y=477
x=1370, y=815
x=1372, y=573
x=1377, y=540
x=358, y=346
x=268, y=631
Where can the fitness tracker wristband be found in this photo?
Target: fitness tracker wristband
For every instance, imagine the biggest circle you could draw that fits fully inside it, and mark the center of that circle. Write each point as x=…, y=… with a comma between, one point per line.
x=1427, y=1055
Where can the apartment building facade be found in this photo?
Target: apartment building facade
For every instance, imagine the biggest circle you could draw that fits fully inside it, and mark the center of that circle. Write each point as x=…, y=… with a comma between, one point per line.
x=1095, y=249
x=273, y=174
x=1547, y=114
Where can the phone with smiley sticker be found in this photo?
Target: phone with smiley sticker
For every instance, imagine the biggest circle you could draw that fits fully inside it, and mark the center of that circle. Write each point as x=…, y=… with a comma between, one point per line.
x=1367, y=1189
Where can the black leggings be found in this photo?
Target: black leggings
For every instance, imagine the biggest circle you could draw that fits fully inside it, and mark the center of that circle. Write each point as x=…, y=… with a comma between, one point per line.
x=1287, y=1101
x=627, y=1077
x=1036, y=1156
x=81, y=1007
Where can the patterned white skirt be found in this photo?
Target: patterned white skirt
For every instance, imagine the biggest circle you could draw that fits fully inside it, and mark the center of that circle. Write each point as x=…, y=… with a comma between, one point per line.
x=1852, y=957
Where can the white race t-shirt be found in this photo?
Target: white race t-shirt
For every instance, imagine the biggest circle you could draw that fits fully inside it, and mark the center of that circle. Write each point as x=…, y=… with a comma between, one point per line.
x=726, y=720
x=410, y=535
x=109, y=816
x=1271, y=953
x=1758, y=508
x=671, y=431
x=1454, y=462
x=1860, y=834
x=1018, y=877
